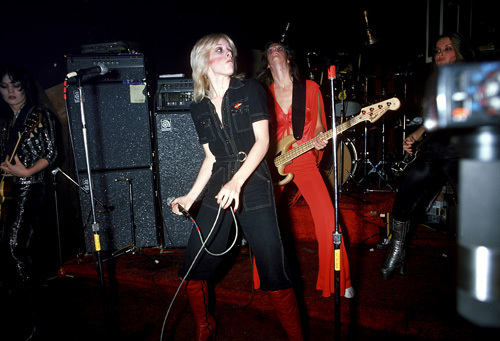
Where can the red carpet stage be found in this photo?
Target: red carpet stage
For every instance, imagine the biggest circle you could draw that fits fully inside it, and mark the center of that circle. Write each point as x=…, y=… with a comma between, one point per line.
x=133, y=303
x=361, y=217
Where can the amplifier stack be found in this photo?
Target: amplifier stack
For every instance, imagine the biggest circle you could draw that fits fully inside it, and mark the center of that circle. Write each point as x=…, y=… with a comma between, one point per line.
x=179, y=153
x=174, y=94
x=156, y=148
x=119, y=142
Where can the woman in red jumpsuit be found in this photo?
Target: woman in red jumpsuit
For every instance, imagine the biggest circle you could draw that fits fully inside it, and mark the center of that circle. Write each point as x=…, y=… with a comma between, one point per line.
x=280, y=74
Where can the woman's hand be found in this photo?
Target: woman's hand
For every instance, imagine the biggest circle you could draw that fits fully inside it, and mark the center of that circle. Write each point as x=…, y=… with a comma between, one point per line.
x=417, y=135
x=15, y=169
x=229, y=192
x=319, y=142
x=184, y=201
x=407, y=144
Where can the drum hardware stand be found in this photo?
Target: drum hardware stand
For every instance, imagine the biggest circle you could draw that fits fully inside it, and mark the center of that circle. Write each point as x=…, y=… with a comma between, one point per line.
x=132, y=247
x=382, y=163
x=375, y=168
x=405, y=87
x=341, y=143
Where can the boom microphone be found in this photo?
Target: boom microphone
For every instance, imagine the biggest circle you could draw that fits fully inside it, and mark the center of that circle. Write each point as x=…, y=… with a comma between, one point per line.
x=100, y=69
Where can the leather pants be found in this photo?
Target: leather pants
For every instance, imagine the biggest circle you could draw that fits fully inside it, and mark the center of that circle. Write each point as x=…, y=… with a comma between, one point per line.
x=21, y=221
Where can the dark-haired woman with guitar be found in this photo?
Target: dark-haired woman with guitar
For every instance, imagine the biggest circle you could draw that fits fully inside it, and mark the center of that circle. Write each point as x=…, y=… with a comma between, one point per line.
x=436, y=164
x=306, y=123
x=28, y=148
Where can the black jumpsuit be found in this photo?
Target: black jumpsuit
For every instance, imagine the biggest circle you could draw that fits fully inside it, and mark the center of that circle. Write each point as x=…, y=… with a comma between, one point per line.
x=229, y=141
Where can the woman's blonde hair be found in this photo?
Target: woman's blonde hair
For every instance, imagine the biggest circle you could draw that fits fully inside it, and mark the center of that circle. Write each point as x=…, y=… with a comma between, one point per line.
x=200, y=55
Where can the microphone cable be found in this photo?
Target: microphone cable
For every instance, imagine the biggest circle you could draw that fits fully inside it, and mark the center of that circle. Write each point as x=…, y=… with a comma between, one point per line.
x=202, y=248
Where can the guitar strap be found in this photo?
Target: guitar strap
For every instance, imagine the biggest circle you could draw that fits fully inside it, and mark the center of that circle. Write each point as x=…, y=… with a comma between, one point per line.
x=15, y=129
x=298, y=108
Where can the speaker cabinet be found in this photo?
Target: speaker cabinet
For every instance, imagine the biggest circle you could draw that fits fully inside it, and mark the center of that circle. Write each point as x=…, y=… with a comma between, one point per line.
x=118, y=128
x=113, y=208
x=179, y=160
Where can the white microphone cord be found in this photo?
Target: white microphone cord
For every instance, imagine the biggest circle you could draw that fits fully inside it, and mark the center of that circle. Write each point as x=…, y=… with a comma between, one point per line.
x=203, y=243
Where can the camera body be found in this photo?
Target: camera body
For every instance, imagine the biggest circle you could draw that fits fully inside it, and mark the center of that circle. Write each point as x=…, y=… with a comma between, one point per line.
x=464, y=99
x=465, y=95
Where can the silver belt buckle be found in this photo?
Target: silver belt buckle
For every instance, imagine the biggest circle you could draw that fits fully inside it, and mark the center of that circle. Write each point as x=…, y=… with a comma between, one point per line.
x=244, y=156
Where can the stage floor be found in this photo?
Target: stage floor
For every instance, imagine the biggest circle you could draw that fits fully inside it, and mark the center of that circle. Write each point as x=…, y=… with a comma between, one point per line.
x=139, y=291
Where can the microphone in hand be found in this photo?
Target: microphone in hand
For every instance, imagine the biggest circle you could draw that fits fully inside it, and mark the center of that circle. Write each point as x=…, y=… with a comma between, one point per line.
x=181, y=209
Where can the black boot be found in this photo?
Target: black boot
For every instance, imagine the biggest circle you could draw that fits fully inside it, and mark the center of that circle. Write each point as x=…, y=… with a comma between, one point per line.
x=397, y=256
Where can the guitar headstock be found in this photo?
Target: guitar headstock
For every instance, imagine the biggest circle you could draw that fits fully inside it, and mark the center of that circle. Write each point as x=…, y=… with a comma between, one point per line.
x=375, y=111
x=31, y=124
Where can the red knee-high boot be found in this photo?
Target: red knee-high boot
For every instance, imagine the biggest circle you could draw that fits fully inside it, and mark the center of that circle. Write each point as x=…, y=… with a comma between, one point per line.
x=197, y=292
x=285, y=305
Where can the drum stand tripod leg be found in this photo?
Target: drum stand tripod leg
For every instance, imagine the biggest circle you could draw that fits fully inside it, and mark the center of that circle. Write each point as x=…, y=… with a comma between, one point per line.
x=131, y=247
x=375, y=168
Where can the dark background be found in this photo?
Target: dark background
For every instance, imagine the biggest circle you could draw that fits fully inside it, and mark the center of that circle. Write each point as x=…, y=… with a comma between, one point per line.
x=39, y=34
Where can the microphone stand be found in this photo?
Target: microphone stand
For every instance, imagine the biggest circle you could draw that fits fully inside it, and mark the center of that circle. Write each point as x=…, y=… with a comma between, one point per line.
x=132, y=247
x=54, y=172
x=341, y=145
x=56, y=203
x=57, y=170
x=95, y=224
x=337, y=237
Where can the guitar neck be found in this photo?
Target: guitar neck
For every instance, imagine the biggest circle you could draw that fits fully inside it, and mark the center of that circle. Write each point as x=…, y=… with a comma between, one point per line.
x=370, y=113
x=307, y=146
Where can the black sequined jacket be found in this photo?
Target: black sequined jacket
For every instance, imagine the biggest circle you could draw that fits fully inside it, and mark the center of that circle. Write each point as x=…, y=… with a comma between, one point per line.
x=32, y=135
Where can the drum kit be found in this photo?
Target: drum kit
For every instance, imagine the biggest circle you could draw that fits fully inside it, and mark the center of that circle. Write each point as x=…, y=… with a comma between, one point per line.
x=363, y=160
x=358, y=170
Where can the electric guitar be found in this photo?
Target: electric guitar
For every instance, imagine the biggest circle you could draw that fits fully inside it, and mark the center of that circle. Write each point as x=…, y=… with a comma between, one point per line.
x=408, y=159
x=284, y=157
x=30, y=126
